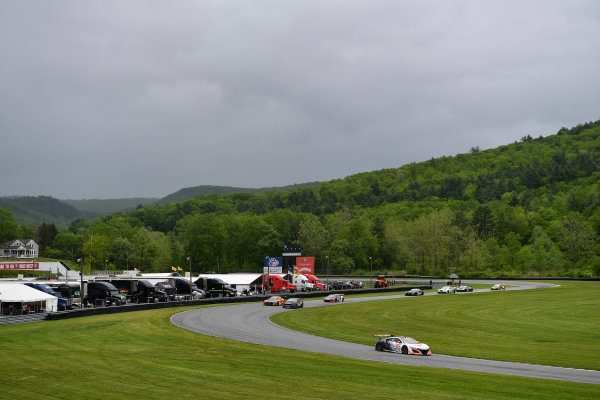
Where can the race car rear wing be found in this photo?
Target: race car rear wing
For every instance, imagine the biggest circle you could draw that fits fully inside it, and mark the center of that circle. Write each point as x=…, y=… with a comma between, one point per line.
x=383, y=335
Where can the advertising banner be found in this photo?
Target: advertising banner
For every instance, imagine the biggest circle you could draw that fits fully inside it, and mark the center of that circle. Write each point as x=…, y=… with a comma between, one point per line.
x=273, y=265
x=305, y=265
x=19, y=265
x=272, y=270
x=273, y=262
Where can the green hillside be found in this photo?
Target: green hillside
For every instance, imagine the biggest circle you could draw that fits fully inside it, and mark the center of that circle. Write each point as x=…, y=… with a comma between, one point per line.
x=36, y=210
x=110, y=206
x=46, y=209
x=527, y=208
x=205, y=190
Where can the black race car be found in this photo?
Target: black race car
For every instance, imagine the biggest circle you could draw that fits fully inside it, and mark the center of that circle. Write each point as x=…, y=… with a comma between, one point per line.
x=294, y=302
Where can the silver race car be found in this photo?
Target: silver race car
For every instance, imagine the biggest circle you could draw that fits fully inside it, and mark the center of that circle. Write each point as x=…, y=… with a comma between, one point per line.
x=401, y=344
x=414, y=292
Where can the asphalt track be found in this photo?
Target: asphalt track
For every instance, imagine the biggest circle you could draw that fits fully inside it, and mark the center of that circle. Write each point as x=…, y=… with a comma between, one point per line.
x=250, y=323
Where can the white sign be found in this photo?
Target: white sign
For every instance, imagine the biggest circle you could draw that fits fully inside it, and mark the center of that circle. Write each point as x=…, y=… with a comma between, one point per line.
x=272, y=270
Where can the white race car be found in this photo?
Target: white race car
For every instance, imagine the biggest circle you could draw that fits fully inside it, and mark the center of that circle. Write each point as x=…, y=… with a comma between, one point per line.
x=446, y=290
x=401, y=344
x=464, y=288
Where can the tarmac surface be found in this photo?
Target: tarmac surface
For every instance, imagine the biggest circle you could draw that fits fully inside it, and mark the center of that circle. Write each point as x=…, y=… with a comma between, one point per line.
x=250, y=323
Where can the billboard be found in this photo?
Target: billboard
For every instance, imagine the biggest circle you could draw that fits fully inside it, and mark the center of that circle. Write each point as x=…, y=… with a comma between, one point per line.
x=273, y=265
x=19, y=265
x=305, y=265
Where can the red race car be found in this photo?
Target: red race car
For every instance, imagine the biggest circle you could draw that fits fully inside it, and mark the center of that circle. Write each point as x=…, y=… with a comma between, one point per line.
x=334, y=298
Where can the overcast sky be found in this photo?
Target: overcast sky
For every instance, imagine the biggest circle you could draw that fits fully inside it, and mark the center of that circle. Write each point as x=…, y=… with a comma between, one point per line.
x=109, y=99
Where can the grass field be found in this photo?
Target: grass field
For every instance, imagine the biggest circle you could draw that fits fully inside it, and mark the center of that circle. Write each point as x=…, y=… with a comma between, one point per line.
x=556, y=326
x=141, y=355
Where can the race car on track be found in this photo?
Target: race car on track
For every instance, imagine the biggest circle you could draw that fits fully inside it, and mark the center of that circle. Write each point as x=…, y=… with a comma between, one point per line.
x=446, y=290
x=401, y=344
x=499, y=286
x=334, y=298
x=414, y=292
x=294, y=302
x=274, y=301
x=464, y=288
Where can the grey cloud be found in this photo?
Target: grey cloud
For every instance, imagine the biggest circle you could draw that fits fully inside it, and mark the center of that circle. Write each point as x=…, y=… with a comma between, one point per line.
x=114, y=99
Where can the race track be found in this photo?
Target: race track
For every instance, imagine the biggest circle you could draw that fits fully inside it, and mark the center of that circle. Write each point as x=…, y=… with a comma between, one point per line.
x=250, y=323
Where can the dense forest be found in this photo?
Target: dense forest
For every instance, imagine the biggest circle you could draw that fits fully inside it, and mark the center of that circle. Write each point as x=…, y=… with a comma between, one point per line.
x=530, y=208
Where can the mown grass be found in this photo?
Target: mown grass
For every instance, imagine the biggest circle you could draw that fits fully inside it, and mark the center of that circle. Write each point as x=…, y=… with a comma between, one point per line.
x=141, y=355
x=555, y=326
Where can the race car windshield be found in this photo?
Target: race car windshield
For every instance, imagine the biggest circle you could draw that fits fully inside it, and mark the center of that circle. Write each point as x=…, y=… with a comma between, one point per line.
x=410, y=340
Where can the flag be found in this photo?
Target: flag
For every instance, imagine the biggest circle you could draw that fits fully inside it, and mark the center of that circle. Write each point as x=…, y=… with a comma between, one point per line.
x=179, y=268
x=173, y=268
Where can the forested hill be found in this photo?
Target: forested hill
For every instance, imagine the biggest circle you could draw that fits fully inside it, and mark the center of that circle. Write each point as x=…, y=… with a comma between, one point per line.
x=527, y=208
x=110, y=206
x=35, y=210
x=518, y=174
x=204, y=190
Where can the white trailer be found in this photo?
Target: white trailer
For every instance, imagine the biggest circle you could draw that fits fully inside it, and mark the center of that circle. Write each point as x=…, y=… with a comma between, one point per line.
x=301, y=282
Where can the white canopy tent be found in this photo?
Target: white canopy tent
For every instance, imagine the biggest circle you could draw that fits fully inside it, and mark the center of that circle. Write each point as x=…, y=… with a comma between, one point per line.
x=17, y=293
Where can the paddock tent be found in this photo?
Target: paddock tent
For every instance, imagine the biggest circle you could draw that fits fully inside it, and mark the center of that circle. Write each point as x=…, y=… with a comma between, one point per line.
x=19, y=293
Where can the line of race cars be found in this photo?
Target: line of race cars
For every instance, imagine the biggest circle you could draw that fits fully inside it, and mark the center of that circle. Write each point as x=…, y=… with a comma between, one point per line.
x=297, y=302
x=464, y=288
x=336, y=297
x=385, y=342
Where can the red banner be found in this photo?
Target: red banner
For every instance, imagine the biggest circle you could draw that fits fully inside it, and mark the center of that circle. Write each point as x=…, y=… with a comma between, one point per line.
x=19, y=265
x=305, y=265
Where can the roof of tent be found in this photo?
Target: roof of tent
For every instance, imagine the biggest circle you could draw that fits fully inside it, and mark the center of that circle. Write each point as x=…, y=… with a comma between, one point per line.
x=18, y=292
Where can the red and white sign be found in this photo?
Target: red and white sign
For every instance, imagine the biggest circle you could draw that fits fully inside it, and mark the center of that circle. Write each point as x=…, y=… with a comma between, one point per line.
x=305, y=265
x=19, y=265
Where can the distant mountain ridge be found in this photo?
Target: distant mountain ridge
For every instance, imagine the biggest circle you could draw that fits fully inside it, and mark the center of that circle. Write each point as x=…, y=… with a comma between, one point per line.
x=39, y=209
x=109, y=206
x=204, y=190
